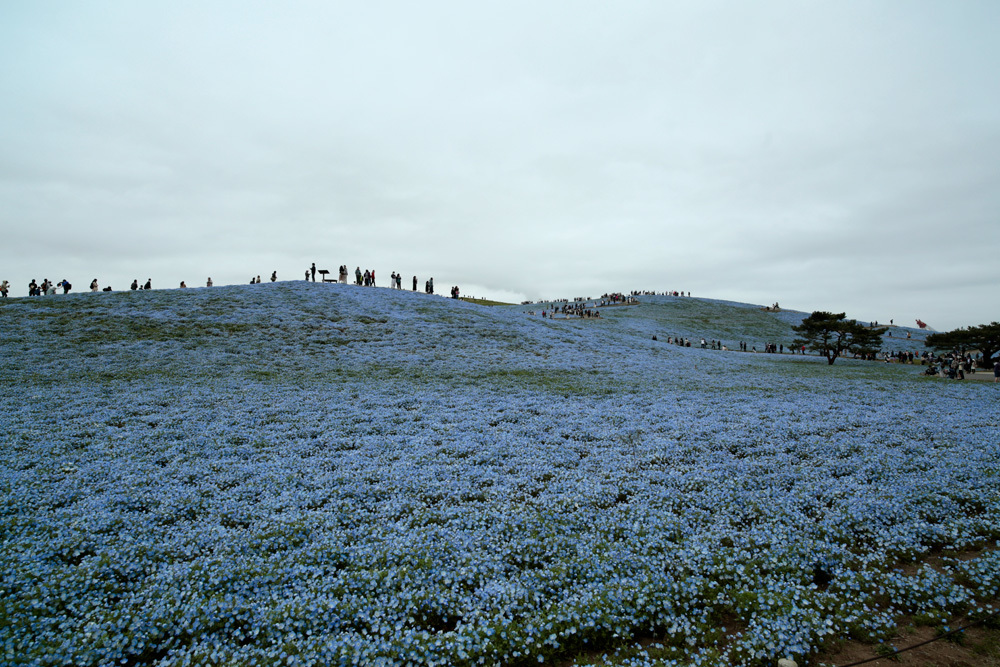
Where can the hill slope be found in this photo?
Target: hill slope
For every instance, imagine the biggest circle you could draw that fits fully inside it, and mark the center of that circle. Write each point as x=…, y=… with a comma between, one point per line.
x=325, y=474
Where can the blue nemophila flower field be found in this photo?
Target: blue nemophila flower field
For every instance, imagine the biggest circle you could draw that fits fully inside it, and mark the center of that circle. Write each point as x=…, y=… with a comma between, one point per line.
x=306, y=474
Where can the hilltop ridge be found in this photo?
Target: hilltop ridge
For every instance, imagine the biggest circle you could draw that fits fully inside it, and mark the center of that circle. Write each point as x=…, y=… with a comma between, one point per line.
x=290, y=320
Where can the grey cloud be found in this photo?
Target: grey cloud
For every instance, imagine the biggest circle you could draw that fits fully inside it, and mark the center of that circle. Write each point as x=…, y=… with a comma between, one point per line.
x=802, y=153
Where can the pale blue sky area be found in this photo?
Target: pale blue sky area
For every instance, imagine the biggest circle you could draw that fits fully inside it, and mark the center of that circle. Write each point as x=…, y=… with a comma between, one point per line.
x=836, y=156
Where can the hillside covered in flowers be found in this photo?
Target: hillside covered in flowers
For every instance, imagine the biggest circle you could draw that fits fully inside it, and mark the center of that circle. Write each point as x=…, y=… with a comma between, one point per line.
x=316, y=474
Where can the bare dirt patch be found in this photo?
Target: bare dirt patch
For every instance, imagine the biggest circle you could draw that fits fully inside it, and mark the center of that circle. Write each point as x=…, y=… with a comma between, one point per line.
x=977, y=647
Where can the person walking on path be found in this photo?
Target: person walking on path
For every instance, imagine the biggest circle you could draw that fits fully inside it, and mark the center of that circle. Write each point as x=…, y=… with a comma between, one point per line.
x=312, y=271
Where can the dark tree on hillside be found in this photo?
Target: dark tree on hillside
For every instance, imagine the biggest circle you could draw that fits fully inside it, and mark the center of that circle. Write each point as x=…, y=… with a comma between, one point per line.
x=866, y=341
x=984, y=337
x=833, y=334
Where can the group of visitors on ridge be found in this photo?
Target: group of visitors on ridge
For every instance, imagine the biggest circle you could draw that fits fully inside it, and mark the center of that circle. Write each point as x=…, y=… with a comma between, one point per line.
x=49, y=287
x=572, y=310
x=366, y=278
x=580, y=306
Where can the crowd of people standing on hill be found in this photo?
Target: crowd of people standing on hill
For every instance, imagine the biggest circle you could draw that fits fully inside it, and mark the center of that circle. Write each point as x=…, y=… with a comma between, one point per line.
x=366, y=278
x=682, y=341
x=580, y=309
x=618, y=299
x=46, y=287
x=638, y=292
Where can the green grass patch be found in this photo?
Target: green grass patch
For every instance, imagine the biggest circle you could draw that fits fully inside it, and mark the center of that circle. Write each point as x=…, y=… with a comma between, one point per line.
x=484, y=302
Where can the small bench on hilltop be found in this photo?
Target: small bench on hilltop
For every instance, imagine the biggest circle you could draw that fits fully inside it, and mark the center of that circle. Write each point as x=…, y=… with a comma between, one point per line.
x=322, y=273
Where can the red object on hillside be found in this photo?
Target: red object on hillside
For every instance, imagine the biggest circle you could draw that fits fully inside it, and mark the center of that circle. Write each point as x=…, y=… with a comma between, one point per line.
x=921, y=324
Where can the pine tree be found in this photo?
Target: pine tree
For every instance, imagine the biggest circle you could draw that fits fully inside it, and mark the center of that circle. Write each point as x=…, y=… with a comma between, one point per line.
x=833, y=334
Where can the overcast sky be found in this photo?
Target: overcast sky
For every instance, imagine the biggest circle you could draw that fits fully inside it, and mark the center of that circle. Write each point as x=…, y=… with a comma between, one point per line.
x=839, y=156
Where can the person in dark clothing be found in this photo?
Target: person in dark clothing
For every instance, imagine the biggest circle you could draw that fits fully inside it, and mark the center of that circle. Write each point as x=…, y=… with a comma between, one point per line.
x=149, y=284
x=312, y=272
x=414, y=283
x=135, y=285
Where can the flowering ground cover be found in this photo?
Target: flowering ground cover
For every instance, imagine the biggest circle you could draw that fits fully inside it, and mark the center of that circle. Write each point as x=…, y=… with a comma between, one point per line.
x=295, y=473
